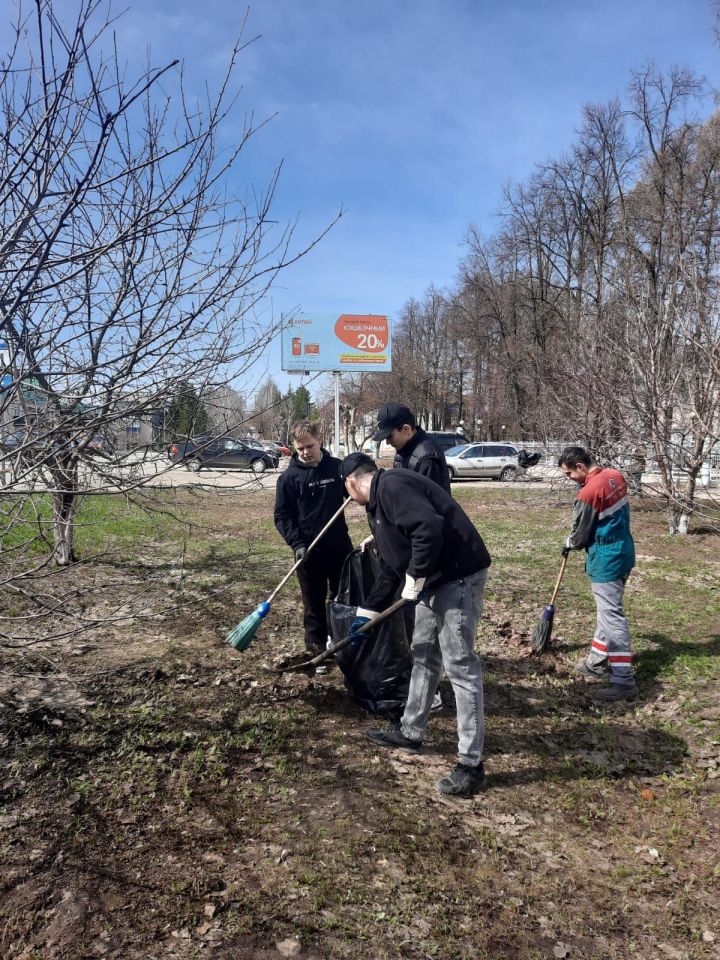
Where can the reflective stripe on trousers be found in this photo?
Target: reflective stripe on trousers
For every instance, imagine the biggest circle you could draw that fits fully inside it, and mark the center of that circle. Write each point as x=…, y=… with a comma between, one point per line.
x=611, y=643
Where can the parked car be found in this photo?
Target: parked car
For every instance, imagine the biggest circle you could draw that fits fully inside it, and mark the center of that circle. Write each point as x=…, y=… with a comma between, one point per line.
x=445, y=440
x=283, y=448
x=271, y=447
x=252, y=442
x=496, y=460
x=225, y=453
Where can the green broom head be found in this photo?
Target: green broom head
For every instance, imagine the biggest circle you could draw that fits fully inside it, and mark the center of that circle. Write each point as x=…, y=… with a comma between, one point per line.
x=541, y=636
x=242, y=635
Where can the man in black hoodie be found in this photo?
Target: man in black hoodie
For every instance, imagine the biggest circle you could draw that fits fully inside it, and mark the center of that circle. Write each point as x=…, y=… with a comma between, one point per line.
x=414, y=448
x=426, y=541
x=308, y=493
x=414, y=451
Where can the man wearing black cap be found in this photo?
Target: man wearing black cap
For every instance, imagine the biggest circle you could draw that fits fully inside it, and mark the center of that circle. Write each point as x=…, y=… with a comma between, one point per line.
x=426, y=541
x=414, y=451
x=414, y=448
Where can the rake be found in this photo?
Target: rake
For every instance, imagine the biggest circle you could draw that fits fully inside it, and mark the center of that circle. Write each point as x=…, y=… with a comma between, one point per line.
x=308, y=666
x=241, y=636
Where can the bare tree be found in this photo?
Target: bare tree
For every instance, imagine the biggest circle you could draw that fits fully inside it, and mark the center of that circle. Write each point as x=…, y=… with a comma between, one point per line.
x=670, y=271
x=129, y=264
x=225, y=409
x=596, y=302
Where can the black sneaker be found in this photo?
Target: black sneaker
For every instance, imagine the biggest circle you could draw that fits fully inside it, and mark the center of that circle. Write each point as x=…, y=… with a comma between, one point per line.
x=393, y=736
x=599, y=672
x=463, y=781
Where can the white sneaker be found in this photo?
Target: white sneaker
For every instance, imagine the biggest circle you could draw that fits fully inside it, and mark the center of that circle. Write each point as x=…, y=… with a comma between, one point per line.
x=437, y=703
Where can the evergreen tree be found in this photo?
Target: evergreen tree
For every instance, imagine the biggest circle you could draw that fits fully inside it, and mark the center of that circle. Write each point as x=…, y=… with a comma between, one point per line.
x=187, y=416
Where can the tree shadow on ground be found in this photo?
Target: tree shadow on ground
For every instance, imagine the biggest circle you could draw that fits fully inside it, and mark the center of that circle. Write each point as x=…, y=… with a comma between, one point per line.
x=581, y=749
x=651, y=663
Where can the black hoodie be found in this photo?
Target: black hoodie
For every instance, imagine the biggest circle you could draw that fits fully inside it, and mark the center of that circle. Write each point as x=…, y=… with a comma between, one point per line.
x=422, y=456
x=420, y=530
x=306, y=496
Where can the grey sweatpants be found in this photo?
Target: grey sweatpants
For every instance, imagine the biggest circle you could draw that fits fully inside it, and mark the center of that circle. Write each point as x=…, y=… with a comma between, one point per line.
x=444, y=638
x=611, y=643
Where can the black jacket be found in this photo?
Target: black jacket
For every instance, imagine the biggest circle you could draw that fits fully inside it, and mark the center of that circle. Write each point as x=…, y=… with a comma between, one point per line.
x=305, y=498
x=422, y=456
x=419, y=529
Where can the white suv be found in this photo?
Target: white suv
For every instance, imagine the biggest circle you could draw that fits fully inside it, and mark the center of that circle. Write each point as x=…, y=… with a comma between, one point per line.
x=496, y=460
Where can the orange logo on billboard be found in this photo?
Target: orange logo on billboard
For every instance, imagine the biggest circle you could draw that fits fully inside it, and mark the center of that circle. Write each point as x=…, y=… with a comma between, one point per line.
x=364, y=332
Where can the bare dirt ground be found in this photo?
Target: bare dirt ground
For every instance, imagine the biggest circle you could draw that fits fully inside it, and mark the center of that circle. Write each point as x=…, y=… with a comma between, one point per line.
x=162, y=795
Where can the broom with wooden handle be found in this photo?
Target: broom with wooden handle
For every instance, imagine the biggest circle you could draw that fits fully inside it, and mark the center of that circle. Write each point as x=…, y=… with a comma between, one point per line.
x=543, y=631
x=242, y=635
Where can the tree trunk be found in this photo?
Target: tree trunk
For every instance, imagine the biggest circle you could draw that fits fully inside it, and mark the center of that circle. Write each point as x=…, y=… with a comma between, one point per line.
x=681, y=506
x=65, y=504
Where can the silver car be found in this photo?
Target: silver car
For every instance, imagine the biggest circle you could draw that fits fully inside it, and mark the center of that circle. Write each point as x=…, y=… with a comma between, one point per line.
x=496, y=460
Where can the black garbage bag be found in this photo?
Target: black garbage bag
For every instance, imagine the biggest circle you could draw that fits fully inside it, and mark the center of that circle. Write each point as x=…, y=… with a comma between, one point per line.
x=377, y=672
x=527, y=460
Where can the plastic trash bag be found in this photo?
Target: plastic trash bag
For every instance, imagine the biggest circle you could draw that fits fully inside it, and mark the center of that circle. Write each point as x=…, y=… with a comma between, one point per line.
x=527, y=460
x=377, y=672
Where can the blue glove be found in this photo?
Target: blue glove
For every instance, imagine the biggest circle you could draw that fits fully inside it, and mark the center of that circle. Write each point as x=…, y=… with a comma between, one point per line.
x=356, y=637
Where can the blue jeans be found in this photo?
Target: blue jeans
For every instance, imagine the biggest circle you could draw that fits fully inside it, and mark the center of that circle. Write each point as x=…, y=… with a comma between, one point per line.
x=444, y=639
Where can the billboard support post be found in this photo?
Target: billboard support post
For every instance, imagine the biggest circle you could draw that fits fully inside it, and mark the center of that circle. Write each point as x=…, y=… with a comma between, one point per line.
x=336, y=450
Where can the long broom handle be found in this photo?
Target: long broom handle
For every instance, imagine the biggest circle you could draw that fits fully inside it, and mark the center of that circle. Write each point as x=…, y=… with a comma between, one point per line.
x=326, y=654
x=560, y=576
x=291, y=571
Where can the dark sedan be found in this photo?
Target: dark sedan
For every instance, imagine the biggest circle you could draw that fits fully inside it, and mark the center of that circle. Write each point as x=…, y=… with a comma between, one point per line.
x=224, y=454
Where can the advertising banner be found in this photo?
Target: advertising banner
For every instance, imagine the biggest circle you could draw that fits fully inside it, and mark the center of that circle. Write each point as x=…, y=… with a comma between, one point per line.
x=324, y=342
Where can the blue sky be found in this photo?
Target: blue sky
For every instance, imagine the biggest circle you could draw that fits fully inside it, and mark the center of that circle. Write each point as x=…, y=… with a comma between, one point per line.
x=411, y=114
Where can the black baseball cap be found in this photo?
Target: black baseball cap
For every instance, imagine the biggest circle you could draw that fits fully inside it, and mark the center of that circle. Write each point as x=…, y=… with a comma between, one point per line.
x=354, y=460
x=390, y=416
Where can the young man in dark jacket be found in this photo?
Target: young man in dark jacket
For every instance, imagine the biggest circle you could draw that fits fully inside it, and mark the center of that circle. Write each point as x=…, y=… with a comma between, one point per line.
x=414, y=448
x=414, y=451
x=308, y=493
x=426, y=541
x=601, y=527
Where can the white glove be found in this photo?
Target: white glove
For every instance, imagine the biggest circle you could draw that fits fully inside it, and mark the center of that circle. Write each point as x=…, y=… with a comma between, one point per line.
x=366, y=543
x=370, y=614
x=412, y=588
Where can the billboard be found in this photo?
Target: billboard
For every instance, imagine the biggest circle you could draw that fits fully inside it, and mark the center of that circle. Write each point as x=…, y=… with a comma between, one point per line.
x=328, y=342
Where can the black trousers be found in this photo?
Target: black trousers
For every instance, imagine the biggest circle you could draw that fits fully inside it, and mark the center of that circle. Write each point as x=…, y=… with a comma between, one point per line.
x=319, y=577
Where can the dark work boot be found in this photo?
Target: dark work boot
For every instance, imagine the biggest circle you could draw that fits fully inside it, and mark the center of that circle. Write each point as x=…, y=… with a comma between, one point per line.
x=463, y=781
x=600, y=671
x=617, y=691
x=393, y=736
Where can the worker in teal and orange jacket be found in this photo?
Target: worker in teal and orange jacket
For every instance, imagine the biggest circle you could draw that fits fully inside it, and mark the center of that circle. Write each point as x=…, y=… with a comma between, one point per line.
x=601, y=527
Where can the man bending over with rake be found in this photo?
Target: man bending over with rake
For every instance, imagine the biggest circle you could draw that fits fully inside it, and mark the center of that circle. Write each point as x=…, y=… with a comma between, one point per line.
x=426, y=541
